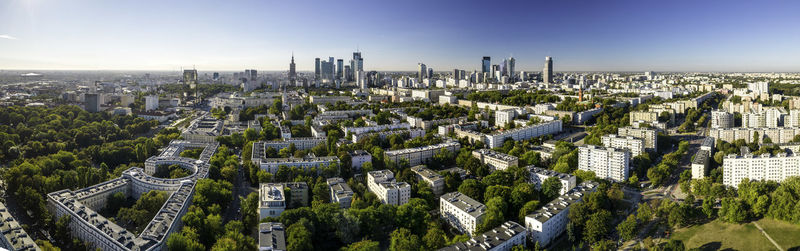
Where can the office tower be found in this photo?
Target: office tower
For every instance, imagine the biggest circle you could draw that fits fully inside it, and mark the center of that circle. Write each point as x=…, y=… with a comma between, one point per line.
x=331, y=68
x=456, y=74
x=430, y=72
x=339, y=70
x=253, y=74
x=504, y=68
x=292, y=71
x=92, y=102
x=547, y=72
x=495, y=71
x=511, y=63
x=247, y=73
x=316, y=68
x=216, y=76
x=348, y=72
x=486, y=64
x=361, y=80
x=423, y=71
x=463, y=74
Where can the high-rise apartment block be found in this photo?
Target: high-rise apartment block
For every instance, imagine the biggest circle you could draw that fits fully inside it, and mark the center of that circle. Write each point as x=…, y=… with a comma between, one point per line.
x=388, y=190
x=635, y=145
x=605, y=162
x=461, y=212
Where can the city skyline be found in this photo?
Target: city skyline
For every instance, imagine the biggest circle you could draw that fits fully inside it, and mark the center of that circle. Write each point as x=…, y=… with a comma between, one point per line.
x=728, y=36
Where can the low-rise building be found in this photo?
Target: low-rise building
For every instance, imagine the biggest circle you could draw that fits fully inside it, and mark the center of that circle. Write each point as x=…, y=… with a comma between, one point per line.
x=461, y=212
x=501, y=238
x=539, y=175
x=358, y=158
x=495, y=160
x=272, y=201
x=388, y=190
x=298, y=194
x=14, y=236
x=550, y=221
x=434, y=180
x=420, y=155
x=271, y=236
x=340, y=192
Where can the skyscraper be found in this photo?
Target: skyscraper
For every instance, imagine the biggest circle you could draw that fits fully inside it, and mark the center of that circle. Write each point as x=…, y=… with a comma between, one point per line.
x=486, y=64
x=339, y=69
x=190, y=77
x=430, y=72
x=92, y=102
x=423, y=71
x=253, y=74
x=316, y=68
x=292, y=72
x=456, y=74
x=511, y=63
x=547, y=72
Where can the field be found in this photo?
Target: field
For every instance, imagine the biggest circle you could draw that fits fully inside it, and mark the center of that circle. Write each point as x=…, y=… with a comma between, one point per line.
x=787, y=235
x=718, y=235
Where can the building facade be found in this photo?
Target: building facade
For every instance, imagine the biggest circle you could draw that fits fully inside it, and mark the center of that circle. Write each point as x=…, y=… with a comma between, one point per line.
x=606, y=163
x=550, y=221
x=388, y=190
x=633, y=144
x=759, y=167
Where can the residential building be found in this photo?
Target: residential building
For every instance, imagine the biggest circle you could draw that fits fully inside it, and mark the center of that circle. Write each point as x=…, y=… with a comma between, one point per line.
x=495, y=160
x=388, y=190
x=759, y=167
x=14, y=236
x=550, y=221
x=298, y=194
x=462, y=212
x=93, y=101
x=650, y=136
x=700, y=164
x=434, y=180
x=501, y=238
x=721, y=119
x=635, y=145
x=420, y=155
x=646, y=116
x=272, y=201
x=605, y=162
x=271, y=236
x=340, y=192
x=497, y=139
x=358, y=158
x=539, y=175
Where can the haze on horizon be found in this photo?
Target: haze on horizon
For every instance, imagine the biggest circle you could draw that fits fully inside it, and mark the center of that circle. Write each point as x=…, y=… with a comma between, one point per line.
x=745, y=36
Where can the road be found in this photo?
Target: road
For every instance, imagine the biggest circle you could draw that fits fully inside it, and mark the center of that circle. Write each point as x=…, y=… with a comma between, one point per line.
x=240, y=188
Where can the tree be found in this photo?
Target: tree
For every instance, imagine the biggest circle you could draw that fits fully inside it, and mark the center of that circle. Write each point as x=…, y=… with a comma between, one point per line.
x=733, y=210
x=299, y=238
x=434, y=239
x=365, y=245
x=674, y=245
x=528, y=208
x=186, y=240
x=551, y=188
x=597, y=227
x=708, y=206
x=628, y=228
x=603, y=245
x=497, y=191
x=472, y=188
x=402, y=239
x=413, y=215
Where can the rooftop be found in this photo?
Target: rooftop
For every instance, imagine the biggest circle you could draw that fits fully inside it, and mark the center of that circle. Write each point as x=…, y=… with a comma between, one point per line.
x=271, y=236
x=491, y=238
x=464, y=203
x=562, y=202
x=496, y=155
x=548, y=173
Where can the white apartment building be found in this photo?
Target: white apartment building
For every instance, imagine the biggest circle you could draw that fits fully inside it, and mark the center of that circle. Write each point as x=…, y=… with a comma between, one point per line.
x=434, y=180
x=388, y=190
x=761, y=167
x=539, y=175
x=272, y=201
x=650, y=136
x=271, y=236
x=497, y=139
x=14, y=236
x=420, y=155
x=645, y=116
x=550, y=221
x=151, y=103
x=605, y=162
x=358, y=158
x=501, y=238
x=495, y=160
x=721, y=119
x=461, y=212
x=377, y=128
x=635, y=145
x=340, y=192
x=700, y=164
x=779, y=135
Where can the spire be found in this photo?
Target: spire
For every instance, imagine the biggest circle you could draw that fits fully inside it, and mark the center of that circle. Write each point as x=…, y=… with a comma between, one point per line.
x=293, y=57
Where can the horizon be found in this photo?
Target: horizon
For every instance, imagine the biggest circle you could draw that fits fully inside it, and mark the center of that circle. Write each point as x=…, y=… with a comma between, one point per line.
x=619, y=36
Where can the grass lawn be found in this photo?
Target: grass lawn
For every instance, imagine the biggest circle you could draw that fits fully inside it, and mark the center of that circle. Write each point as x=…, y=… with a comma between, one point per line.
x=718, y=235
x=786, y=234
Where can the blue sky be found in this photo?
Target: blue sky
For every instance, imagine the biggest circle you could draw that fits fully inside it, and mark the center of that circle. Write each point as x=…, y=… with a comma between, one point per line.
x=396, y=35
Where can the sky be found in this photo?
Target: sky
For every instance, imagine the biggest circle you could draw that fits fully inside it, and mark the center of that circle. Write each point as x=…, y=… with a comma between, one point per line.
x=608, y=35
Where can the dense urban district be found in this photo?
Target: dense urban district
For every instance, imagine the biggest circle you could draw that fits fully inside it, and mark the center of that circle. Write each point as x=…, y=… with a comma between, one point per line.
x=347, y=159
